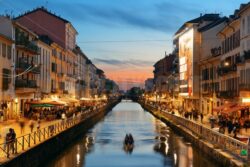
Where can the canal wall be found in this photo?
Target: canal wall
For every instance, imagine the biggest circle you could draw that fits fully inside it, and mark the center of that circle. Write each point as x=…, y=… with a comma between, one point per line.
x=49, y=149
x=223, y=158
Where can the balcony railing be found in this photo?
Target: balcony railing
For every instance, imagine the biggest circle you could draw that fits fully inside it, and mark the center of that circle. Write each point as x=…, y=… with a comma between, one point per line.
x=244, y=87
x=25, y=66
x=23, y=40
x=240, y=59
x=247, y=55
x=225, y=70
x=25, y=83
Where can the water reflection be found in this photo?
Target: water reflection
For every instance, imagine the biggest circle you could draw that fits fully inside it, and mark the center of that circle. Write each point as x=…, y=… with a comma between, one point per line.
x=156, y=145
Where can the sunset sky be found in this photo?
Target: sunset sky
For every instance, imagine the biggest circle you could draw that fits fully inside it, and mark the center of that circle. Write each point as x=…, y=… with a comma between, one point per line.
x=125, y=37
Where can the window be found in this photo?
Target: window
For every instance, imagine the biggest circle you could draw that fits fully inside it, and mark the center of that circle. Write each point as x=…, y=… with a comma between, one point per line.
x=54, y=68
x=243, y=27
x=9, y=52
x=6, y=79
x=4, y=50
x=248, y=24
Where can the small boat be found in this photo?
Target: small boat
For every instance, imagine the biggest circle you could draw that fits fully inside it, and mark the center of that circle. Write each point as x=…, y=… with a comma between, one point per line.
x=128, y=144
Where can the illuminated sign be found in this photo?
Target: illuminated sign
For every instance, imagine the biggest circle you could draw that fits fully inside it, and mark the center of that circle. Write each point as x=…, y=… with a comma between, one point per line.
x=245, y=100
x=182, y=60
x=182, y=76
x=183, y=68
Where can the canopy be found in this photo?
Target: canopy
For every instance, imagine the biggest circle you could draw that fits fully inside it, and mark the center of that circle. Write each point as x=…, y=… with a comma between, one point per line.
x=42, y=105
x=69, y=100
x=47, y=103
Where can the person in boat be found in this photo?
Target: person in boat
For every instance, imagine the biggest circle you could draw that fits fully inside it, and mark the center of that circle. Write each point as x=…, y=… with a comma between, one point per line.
x=126, y=141
x=131, y=139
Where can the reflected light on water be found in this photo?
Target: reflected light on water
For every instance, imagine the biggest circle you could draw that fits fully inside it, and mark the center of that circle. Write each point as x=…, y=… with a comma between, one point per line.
x=166, y=147
x=175, y=158
x=156, y=145
x=78, y=159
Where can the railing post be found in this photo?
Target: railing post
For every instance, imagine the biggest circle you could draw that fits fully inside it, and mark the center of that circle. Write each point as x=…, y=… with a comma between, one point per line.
x=23, y=143
x=34, y=137
x=15, y=146
x=29, y=140
x=248, y=150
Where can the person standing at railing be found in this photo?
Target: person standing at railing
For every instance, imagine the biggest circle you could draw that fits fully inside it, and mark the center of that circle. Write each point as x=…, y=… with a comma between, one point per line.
x=13, y=140
x=8, y=142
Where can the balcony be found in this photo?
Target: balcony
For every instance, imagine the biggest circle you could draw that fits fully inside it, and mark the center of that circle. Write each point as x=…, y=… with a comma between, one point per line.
x=22, y=41
x=23, y=66
x=246, y=55
x=65, y=92
x=54, y=90
x=25, y=83
x=81, y=82
x=244, y=87
x=240, y=60
x=227, y=94
x=25, y=86
x=226, y=69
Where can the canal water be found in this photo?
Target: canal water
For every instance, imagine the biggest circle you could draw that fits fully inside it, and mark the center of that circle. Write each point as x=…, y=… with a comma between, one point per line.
x=156, y=145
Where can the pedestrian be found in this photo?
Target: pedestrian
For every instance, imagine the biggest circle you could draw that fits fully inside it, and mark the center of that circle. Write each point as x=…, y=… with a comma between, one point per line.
x=230, y=126
x=8, y=142
x=22, y=124
x=31, y=125
x=13, y=140
x=38, y=124
x=201, y=115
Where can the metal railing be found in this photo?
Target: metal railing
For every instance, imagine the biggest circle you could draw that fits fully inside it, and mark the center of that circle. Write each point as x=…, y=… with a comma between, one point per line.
x=25, y=142
x=218, y=140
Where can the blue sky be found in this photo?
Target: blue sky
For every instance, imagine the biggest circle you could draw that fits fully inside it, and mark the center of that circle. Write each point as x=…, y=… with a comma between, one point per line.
x=142, y=29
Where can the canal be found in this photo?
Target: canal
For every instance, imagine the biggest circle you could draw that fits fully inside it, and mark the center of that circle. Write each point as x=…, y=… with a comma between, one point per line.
x=156, y=145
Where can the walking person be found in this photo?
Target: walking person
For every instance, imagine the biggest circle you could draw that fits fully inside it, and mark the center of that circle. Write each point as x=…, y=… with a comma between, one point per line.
x=22, y=124
x=38, y=124
x=201, y=115
x=31, y=125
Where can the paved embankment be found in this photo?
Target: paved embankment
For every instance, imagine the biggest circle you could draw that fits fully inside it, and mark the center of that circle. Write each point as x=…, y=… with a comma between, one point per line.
x=222, y=157
x=59, y=136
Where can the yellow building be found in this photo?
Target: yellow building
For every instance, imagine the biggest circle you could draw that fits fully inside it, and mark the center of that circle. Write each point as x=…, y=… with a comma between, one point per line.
x=27, y=68
x=243, y=62
x=227, y=71
x=211, y=52
x=6, y=76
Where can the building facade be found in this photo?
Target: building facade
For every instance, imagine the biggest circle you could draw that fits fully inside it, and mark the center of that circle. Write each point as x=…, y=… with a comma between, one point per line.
x=189, y=44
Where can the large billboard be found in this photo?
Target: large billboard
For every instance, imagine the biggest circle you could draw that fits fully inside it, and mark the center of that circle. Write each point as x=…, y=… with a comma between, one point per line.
x=186, y=62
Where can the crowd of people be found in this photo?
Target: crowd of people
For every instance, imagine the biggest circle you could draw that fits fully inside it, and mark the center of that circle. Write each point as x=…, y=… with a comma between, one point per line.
x=231, y=123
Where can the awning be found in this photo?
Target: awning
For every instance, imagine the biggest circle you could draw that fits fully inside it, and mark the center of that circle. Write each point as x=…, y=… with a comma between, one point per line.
x=42, y=105
x=47, y=103
x=69, y=100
